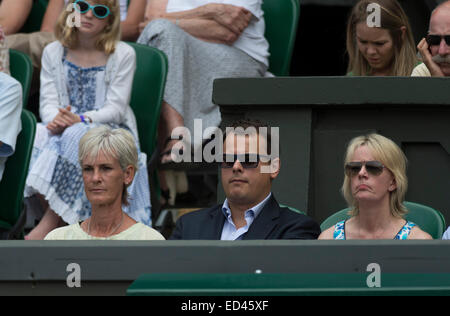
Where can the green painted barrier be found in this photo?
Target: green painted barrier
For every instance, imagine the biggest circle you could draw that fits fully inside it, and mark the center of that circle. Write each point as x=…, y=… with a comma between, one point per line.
x=290, y=284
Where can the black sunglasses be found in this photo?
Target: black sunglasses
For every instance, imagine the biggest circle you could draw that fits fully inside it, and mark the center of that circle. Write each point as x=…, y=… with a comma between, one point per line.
x=246, y=160
x=374, y=168
x=435, y=40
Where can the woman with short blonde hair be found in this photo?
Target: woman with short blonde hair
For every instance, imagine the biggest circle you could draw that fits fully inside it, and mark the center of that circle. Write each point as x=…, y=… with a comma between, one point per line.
x=117, y=143
x=386, y=49
x=393, y=158
x=374, y=187
x=108, y=159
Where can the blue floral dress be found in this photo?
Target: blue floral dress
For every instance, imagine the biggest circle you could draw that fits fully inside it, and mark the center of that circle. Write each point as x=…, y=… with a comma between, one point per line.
x=339, y=231
x=54, y=170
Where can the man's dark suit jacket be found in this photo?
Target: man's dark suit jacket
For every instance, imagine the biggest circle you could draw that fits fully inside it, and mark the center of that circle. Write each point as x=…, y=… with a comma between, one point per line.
x=273, y=222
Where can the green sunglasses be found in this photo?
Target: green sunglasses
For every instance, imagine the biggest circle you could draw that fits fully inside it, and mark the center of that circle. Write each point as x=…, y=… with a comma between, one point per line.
x=100, y=11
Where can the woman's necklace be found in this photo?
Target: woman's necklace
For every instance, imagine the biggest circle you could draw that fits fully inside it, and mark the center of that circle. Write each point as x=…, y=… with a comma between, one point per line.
x=112, y=232
x=378, y=235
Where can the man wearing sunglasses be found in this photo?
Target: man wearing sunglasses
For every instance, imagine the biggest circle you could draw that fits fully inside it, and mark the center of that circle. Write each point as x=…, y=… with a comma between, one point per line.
x=435, y=48
x=250, y=210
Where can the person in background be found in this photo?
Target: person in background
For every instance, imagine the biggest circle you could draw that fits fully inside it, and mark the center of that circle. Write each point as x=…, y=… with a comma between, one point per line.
x=203, y=40
x=435, y=48
x=34, y=43
x=86, y=80
x=13, y=14
x=10, y=110
x=386, y=49
x=4, y=54
x=130, y=16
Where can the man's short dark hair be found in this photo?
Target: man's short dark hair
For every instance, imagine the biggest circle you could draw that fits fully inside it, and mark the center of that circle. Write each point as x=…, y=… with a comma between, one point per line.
x=256, y=124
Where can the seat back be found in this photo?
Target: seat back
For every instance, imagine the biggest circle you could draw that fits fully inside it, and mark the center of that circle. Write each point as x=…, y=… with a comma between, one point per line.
x=15, y=174
x=281, y=18
x=22, y=70
x=34, y=20
x=428, y=219
x=293, y=209
x=335, y=218
x=147, y=93
x=146, y=99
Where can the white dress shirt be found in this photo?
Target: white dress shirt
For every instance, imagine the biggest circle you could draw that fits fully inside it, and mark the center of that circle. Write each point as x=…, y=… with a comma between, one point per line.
x=229, y=231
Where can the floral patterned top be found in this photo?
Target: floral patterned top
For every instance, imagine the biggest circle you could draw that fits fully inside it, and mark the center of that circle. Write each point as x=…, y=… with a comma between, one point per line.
x=84, y=86
x=339, y=231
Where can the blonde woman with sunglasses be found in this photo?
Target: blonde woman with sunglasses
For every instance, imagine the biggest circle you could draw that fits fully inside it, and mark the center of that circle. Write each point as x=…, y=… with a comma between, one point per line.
x=374, y=187
x=86, y=81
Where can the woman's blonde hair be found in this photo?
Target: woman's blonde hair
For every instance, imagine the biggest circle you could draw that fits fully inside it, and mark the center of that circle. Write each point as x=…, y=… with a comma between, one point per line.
x=66, y=32
x=117, y=143
x=392, y=157
x=392, y=18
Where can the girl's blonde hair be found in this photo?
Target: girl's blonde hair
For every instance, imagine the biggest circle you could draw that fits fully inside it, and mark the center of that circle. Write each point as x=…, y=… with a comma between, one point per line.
x=392, y=157
x=66, y=32
x=393, y=18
